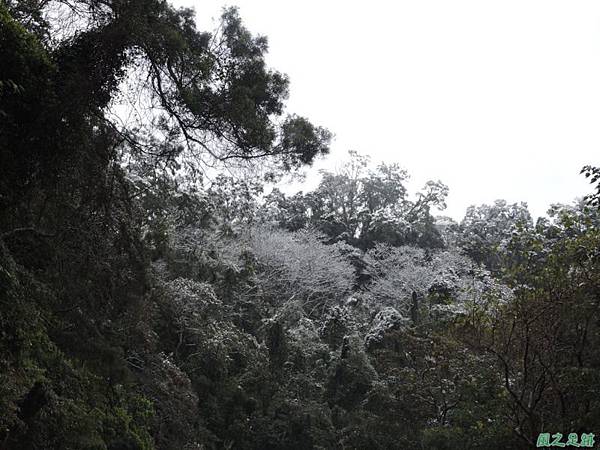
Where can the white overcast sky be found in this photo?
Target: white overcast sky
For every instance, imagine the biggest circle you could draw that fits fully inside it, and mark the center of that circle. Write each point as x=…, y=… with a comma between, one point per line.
x=497, y=99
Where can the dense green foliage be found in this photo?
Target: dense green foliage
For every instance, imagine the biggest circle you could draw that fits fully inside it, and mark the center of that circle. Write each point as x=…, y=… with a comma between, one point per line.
x=146, y=302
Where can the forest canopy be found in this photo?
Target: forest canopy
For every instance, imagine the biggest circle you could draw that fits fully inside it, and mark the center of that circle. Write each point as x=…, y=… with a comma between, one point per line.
x=149, y=298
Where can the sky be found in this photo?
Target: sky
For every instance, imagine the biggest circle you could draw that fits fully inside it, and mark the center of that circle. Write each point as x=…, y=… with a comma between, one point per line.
x=497, y=99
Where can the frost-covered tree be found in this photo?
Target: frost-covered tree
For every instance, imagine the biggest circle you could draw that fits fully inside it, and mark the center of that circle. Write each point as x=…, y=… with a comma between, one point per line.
x=415, y=282
x=361, y=205
x=299, y=266
x=486, y=229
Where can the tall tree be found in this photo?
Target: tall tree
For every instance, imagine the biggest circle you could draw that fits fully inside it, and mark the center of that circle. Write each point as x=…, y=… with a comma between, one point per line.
x=362, y=205
x=486, y=229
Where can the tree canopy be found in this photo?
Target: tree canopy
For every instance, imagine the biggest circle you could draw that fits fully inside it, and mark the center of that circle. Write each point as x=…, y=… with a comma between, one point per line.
x=151, y=300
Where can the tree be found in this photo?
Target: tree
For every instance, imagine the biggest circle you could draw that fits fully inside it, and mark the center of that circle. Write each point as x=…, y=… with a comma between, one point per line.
x=208, y=94
x=486, y=229
x=542, y=340
x=361, y=206
x=298, y=266
x=87, y=202
x=593, y=172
